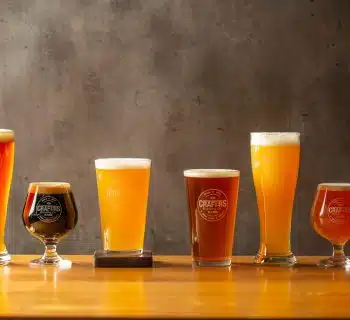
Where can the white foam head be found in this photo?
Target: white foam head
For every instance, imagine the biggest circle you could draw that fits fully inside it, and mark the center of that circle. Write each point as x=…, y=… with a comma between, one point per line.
x=6, y=135
x=274, y=138
x=49, y=187
x=335, y=186
x=122, y=163
x=211, y=173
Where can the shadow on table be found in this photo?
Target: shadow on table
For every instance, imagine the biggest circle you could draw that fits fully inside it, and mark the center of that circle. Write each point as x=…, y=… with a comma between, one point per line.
x=166, y=264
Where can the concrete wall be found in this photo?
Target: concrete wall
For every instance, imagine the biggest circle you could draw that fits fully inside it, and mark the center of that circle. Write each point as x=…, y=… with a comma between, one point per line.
x=181, y=82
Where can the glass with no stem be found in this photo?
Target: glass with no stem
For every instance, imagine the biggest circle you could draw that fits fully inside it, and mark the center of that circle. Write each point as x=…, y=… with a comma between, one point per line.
x=7, y=153
x=275, y=165
x=123, y=185
x=212, y=201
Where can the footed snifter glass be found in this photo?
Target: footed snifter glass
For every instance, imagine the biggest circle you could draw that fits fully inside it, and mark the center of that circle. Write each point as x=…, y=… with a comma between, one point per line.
x=49, y=214
x=330, y=217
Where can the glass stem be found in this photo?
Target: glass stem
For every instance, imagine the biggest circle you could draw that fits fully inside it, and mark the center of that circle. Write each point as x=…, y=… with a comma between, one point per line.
x=50, y=253
x=338, y=253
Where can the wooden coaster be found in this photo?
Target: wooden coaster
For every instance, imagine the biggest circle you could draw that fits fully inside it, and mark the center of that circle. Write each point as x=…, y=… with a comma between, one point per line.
x=103, y=259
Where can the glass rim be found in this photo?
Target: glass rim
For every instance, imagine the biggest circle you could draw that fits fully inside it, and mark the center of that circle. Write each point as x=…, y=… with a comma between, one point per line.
x=6, y=135
x=211, y=173
x=276, y=132
x=274, y=138
x=334, y=185
x=48, y=186
x=122, y=163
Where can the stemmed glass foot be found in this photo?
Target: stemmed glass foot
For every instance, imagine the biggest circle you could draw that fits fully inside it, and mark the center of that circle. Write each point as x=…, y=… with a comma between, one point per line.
x=51, y=258
x=5, y=258
x=338, y=260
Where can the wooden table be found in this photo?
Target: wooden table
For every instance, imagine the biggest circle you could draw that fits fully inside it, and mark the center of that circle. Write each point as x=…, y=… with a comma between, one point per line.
x=174, y=289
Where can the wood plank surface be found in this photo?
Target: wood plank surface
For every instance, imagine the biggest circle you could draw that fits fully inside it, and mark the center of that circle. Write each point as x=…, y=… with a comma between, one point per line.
x=173, y=288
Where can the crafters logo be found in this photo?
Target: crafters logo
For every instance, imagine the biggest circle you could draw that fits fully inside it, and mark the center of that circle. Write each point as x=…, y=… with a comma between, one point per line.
x=212, y=205
x=338, y=211
x=48, y=209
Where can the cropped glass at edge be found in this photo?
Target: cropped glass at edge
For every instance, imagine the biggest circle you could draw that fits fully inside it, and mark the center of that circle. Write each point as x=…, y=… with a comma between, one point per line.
x=7, y=152
x=330, y=218
x=275, y=165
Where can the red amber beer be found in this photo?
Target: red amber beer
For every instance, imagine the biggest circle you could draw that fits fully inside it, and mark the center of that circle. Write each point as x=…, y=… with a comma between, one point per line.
x=330, y=217
x=7, y=153
x=212, y=201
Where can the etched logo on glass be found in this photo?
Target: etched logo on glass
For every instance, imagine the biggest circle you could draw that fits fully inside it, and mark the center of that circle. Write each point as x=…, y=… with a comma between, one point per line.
x=48, y=209
x=338, y=211
x=212, y=205
x=111, y=192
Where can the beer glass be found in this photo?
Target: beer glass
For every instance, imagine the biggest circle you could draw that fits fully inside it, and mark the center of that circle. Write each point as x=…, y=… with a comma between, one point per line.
x=330, y=217
x=212, y=201
x=49, y=214
x=275, y=164
x=123, y=185
x=7, y=153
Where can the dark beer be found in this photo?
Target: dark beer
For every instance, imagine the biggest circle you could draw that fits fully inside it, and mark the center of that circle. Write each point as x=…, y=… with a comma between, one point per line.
x=49, y=214
x=212, y=201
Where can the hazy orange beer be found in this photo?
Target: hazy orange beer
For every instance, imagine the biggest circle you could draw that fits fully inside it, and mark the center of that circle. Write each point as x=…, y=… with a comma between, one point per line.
x=7, y=153
x=123, y=185
x=275, y=164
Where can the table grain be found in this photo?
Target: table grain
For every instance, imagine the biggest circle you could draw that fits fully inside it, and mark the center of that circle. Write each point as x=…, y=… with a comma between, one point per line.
x=174, y=289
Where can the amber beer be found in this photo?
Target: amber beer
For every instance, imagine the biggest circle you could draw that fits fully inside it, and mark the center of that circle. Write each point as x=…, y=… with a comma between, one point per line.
x=330, y=217
x=123, y=185
x=7, y=152
x=331, y=212
x=275, y=164
x=212, y=201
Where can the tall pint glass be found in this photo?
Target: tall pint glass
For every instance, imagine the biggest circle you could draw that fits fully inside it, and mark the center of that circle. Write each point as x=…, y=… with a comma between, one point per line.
x=212, y=200
x=123, y=193
x=275, y=164
x=7, y=153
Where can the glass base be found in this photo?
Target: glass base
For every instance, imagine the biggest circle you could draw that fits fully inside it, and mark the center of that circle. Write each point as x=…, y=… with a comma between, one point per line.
x=342, y=262
x=284, y=261
x=59, y=262
x=224, y=263
x=129, y=253
x=5, y=258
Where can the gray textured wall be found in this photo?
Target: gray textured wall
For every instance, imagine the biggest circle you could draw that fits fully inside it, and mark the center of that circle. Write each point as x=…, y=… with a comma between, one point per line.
x=181, y=82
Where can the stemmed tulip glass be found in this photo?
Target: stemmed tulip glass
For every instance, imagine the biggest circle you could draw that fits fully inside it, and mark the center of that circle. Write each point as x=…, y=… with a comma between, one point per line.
x=330, y=217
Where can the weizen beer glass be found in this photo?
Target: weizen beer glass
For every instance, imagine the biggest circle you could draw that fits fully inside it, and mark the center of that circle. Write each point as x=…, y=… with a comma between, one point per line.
x=212, y=201
x=49, y=214
x=123, y=193
x=275, y=164
x=7, y=153
x=330, y=217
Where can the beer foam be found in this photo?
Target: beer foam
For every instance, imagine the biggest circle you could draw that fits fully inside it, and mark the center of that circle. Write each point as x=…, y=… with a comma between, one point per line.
x=211, y=173
x=122, y=163
x=335, y=186
x=274, y=138
x=48, y=187
x=6, y=135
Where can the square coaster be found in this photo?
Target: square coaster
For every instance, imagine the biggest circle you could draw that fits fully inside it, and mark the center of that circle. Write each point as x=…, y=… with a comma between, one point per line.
x=103, y=259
